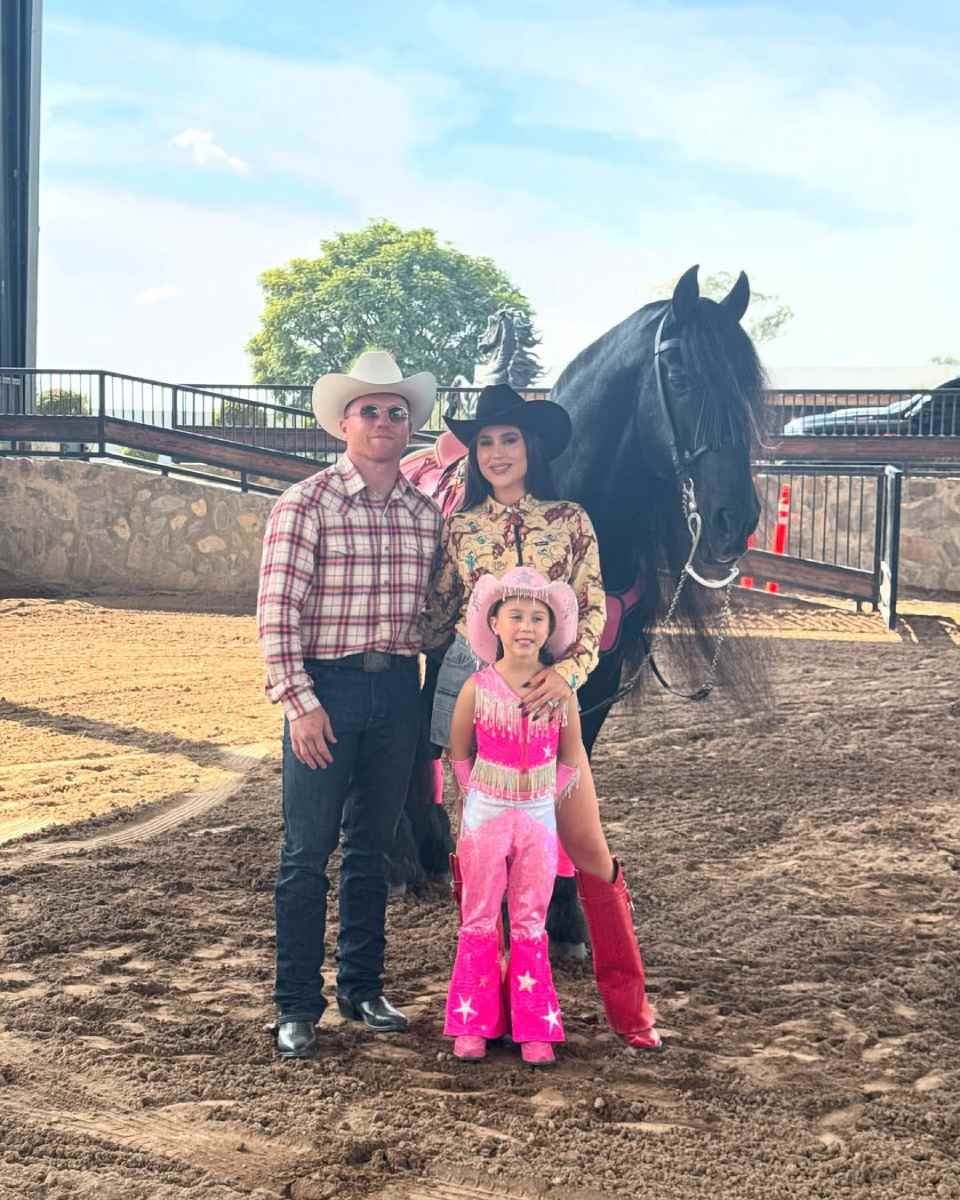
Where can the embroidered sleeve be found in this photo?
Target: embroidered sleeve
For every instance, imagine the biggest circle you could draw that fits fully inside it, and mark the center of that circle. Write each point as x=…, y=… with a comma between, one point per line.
x=445, y=599
x=587, y=582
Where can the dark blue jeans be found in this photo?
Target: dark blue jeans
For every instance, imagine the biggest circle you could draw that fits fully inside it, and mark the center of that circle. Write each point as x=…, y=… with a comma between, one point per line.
x=375, y=718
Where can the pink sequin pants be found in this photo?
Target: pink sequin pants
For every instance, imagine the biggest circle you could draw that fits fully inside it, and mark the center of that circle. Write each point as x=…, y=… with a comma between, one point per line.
x=506, y=848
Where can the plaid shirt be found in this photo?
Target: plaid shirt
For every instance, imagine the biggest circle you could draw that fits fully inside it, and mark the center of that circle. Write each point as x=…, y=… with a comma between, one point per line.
x=341, y=574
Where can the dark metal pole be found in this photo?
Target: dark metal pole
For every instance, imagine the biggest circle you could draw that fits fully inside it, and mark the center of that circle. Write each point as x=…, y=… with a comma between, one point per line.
x=19, y=145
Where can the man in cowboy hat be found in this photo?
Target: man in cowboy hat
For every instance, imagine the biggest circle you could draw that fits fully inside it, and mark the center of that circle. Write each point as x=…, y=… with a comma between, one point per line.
x=347, y=559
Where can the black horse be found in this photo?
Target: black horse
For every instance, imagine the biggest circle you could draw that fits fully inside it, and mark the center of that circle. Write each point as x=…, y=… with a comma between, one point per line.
x=664, y=407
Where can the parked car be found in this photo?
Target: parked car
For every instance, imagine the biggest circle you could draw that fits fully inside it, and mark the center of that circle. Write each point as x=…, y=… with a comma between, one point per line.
x=929, y=414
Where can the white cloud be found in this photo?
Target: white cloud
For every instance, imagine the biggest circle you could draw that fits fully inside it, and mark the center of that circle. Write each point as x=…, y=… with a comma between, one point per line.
x=873, y=287
x=206, y=153
x=98, y=247
x=155, y=295
x=340, y=125
x=808, y=101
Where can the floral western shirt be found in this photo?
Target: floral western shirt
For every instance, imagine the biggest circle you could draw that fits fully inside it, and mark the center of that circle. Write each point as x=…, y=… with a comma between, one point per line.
x=555, y=537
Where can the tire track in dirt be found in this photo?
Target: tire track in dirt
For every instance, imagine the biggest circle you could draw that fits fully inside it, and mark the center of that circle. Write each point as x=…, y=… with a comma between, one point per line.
x=228, y=1151
x=192, y=805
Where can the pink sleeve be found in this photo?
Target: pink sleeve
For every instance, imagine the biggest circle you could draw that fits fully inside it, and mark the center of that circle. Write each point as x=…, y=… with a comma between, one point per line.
x=567, y=779
x=462, y=769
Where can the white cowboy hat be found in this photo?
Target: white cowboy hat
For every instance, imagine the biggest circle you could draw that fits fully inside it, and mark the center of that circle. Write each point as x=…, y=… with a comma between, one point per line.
x=375, y=371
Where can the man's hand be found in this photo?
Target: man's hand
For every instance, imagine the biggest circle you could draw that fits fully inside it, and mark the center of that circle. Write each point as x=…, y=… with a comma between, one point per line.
x=546, y=691
x=311, y=737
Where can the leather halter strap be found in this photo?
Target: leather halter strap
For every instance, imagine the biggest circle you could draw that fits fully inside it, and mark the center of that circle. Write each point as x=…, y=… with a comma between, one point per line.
x=681, y=457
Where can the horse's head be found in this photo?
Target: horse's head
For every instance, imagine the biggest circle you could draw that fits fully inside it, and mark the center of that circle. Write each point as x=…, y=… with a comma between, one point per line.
x=698, y=411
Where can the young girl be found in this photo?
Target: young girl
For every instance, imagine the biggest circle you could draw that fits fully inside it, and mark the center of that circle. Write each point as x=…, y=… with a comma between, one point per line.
x=506, y=764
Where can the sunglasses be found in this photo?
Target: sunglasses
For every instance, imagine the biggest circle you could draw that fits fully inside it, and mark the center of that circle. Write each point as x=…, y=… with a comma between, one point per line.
x=396, y=413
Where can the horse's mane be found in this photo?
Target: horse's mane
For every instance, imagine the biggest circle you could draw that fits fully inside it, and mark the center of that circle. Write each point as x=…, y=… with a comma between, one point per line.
x=636, y=511
x=721, y=357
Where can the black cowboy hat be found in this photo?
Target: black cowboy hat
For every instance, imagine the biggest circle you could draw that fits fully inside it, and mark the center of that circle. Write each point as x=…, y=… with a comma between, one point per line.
x=501, y=405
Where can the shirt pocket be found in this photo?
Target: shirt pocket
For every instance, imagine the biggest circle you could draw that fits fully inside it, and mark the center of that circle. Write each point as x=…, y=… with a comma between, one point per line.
x=334, y=563
x=414, y=553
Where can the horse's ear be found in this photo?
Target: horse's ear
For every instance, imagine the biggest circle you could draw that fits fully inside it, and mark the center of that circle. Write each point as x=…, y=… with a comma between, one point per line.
x=737, y=299
x=686, y=294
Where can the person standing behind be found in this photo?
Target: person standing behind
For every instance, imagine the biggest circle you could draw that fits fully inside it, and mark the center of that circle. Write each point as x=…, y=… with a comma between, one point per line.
x=347, y=560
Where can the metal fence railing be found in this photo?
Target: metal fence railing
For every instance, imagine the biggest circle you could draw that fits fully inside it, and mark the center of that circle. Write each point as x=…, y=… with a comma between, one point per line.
x=237, y=408
x=830, y=513
x=901, y=413
x=451, y=401
x=181, y=407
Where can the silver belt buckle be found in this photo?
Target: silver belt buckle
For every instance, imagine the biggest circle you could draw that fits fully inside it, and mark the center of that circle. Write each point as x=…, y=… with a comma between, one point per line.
x=376, y=660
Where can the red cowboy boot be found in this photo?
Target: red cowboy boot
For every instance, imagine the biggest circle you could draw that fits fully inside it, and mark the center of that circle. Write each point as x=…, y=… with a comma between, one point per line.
x=617, y=963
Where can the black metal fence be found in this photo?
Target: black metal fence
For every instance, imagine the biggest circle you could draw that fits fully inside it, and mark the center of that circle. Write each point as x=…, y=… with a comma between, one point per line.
x=892, y=412
x=451, y=402
x=851, y=413
x=834, y=530
x=826, y=515
x=238, y=411
x=188, y=409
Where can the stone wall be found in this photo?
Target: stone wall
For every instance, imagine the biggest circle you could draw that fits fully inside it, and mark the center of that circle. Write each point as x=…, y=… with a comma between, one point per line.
x=74, y=527
x=930, y=534
x=96, y=527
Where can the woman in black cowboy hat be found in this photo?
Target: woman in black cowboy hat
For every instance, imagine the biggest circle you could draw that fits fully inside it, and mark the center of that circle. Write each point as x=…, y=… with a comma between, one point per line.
x=511, y=516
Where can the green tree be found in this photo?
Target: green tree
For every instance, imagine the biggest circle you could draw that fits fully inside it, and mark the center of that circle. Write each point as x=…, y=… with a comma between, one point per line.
x=768, y=317
x=380, y=287
x=945, y=360
x=61, y=402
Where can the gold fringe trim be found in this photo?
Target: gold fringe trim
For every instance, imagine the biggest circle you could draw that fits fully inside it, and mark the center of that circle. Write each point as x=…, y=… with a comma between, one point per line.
x=505, y=781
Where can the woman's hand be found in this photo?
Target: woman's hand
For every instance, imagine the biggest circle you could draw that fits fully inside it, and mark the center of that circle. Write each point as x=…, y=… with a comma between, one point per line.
x=547, y=691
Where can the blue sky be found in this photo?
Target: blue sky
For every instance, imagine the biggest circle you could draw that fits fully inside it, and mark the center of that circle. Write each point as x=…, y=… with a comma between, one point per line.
x=594, y=151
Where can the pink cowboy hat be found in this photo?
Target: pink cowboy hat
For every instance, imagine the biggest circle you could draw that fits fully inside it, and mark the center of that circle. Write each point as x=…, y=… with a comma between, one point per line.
x=560, y=598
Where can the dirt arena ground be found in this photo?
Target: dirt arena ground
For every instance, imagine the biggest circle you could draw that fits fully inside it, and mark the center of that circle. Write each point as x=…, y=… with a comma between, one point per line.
x=796, y=873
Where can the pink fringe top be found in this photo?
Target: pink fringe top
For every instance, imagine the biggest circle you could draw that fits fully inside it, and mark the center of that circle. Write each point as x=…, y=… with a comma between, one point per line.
x=516, y=757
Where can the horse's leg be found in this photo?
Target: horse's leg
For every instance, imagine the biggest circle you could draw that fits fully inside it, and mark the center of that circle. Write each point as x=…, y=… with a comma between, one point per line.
x=600, y=685
x=403, y=866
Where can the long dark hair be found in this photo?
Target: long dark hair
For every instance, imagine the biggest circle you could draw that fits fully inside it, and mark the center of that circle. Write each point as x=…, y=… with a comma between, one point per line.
x=539, y=482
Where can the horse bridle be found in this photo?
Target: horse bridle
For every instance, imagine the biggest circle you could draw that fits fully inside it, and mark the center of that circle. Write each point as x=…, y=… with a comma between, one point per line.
x=683, y=459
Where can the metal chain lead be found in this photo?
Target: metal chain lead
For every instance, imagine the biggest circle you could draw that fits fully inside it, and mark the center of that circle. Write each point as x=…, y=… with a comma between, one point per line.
x=691, y=515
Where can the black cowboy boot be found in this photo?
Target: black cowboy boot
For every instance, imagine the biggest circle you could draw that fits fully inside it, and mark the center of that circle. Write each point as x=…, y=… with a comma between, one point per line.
x=296, y=1039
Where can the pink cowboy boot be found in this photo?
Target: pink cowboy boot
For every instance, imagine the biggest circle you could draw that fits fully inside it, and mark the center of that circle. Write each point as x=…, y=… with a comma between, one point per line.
x=538, y=1054
x=617, y=963
x=470, y=1049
